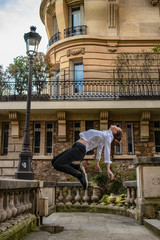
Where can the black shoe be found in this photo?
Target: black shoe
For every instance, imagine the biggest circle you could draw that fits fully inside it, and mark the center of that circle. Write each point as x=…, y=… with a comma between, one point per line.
x=81, y=168
x=84, y=181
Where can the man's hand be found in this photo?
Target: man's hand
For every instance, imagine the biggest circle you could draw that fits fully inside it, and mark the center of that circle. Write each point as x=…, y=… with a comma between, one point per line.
x=98, y=167
x=110, y=174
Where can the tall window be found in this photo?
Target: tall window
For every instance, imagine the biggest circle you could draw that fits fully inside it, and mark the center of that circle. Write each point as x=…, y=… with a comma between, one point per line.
x=118, y=149
x=157, y=136
x=78, y=77
x=76, y=21
x=37, y=138
x=55, y=25
x=76, y=17
x=49, y=138
x=130, y=138
x=76, y=129
x=5, y=135
x=89, y=125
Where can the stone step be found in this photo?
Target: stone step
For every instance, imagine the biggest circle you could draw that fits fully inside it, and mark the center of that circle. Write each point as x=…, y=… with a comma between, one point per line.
x=153, y=225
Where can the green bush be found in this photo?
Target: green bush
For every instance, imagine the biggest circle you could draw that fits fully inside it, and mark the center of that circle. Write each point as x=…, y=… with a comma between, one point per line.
x=106, y=185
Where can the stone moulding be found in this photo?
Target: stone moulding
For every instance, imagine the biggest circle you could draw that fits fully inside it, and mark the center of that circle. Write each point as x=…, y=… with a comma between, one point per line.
x=75, y=52
x=154, y=2
x=112, y=46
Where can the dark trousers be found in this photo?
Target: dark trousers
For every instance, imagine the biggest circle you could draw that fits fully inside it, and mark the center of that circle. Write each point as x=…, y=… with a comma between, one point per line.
x=63, y=161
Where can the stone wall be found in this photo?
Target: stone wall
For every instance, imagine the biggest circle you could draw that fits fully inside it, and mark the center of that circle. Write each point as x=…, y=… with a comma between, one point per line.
x=123, y=163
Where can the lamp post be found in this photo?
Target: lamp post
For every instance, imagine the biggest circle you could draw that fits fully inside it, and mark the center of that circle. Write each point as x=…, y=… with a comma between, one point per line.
x=24, y=170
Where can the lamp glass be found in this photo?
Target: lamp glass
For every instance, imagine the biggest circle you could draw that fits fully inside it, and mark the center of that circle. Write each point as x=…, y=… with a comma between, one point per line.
x=32, y=46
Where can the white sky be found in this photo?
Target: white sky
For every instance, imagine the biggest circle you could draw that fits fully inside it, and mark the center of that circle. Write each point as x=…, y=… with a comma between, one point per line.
x=16, y=17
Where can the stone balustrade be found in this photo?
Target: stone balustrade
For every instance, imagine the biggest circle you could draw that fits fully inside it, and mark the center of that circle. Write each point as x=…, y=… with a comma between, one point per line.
x=17, y=199
x=72, y=194
x=131, y=193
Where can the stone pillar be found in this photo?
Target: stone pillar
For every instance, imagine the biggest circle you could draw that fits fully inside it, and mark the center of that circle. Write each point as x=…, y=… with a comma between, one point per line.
x=49, y=22
x=148, y=187
x=62, y=15
x=61, y=126
x=144, y=125
x=103, y=120
x=83, y=126
x=13, y=116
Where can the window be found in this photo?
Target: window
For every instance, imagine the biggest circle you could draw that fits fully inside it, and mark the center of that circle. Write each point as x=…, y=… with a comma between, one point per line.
x=76, y=17
x=49, y=138
x=76, y=22
x=76, y=128
x=118, y=149
x=37, y=138
x=56, y=30
x=78, y=77
x=157, y=137
x=89, y=125
x=5, y=135
x=55, y=83
x=130, y=139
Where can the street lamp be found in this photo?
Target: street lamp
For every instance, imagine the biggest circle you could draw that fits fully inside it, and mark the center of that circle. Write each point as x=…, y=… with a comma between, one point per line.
x=24, y=170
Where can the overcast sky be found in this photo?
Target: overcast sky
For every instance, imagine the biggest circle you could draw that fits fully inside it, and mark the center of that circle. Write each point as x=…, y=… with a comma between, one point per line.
x=16, y=17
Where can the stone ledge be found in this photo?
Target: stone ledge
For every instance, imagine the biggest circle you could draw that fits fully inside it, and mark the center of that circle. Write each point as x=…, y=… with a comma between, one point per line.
x=18, y=227
x=146, y=160
x=99, y=208
x=124, y=157
x=16, y=184
x=153, y=225
x=130, y=184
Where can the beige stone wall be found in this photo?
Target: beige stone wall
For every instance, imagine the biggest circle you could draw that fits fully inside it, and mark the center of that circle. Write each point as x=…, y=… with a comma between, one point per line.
x=119, y=18
x=42, y=164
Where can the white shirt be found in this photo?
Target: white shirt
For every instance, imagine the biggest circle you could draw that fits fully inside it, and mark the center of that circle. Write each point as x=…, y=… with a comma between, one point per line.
x=99, y=139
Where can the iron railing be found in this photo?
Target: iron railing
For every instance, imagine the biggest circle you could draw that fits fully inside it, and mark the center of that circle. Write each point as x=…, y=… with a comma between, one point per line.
x=75, y=31
x=54, y=38
x=89, y=85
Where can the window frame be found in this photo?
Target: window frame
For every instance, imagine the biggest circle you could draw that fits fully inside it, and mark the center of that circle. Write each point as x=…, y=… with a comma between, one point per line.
x=4, y=131
x=52, y=130
x=91, y=152
x=78, y=80
x=156, y=129
x=76, y=129
x=132, y=138
x=118, y=149
x=34, y=139
x=81, y=6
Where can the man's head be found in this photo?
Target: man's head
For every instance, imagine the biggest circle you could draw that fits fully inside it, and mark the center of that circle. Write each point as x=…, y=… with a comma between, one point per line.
x=117, y=133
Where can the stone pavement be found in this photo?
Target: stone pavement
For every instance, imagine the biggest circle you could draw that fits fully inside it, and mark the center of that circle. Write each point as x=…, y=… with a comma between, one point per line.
x=92, y=226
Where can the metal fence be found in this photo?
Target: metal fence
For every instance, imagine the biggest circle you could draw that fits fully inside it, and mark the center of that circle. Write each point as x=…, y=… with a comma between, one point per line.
x=91, y=85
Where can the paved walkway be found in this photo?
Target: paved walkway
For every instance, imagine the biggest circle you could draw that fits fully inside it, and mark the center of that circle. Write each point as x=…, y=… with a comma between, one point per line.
x=92, y=226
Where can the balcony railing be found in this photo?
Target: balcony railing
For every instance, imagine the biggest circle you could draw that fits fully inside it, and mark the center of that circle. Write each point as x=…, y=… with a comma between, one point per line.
x=54, y=38
x=75, y=31
x=91, y=85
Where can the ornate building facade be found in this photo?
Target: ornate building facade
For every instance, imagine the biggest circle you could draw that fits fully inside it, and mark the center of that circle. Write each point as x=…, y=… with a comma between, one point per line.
x=84, y=40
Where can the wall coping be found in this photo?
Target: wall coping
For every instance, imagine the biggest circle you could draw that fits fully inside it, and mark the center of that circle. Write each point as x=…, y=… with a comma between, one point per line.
x=7, y=184
x=130, y=184
x=146, y=160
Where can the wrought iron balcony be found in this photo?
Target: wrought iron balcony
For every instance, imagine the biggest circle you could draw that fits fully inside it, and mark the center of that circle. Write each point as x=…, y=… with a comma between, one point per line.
x=90, y=85
x=75, y=31
x=54, y=38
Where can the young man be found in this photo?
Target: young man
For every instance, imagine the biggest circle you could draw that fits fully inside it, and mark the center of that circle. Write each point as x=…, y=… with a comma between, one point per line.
x=88, y=140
